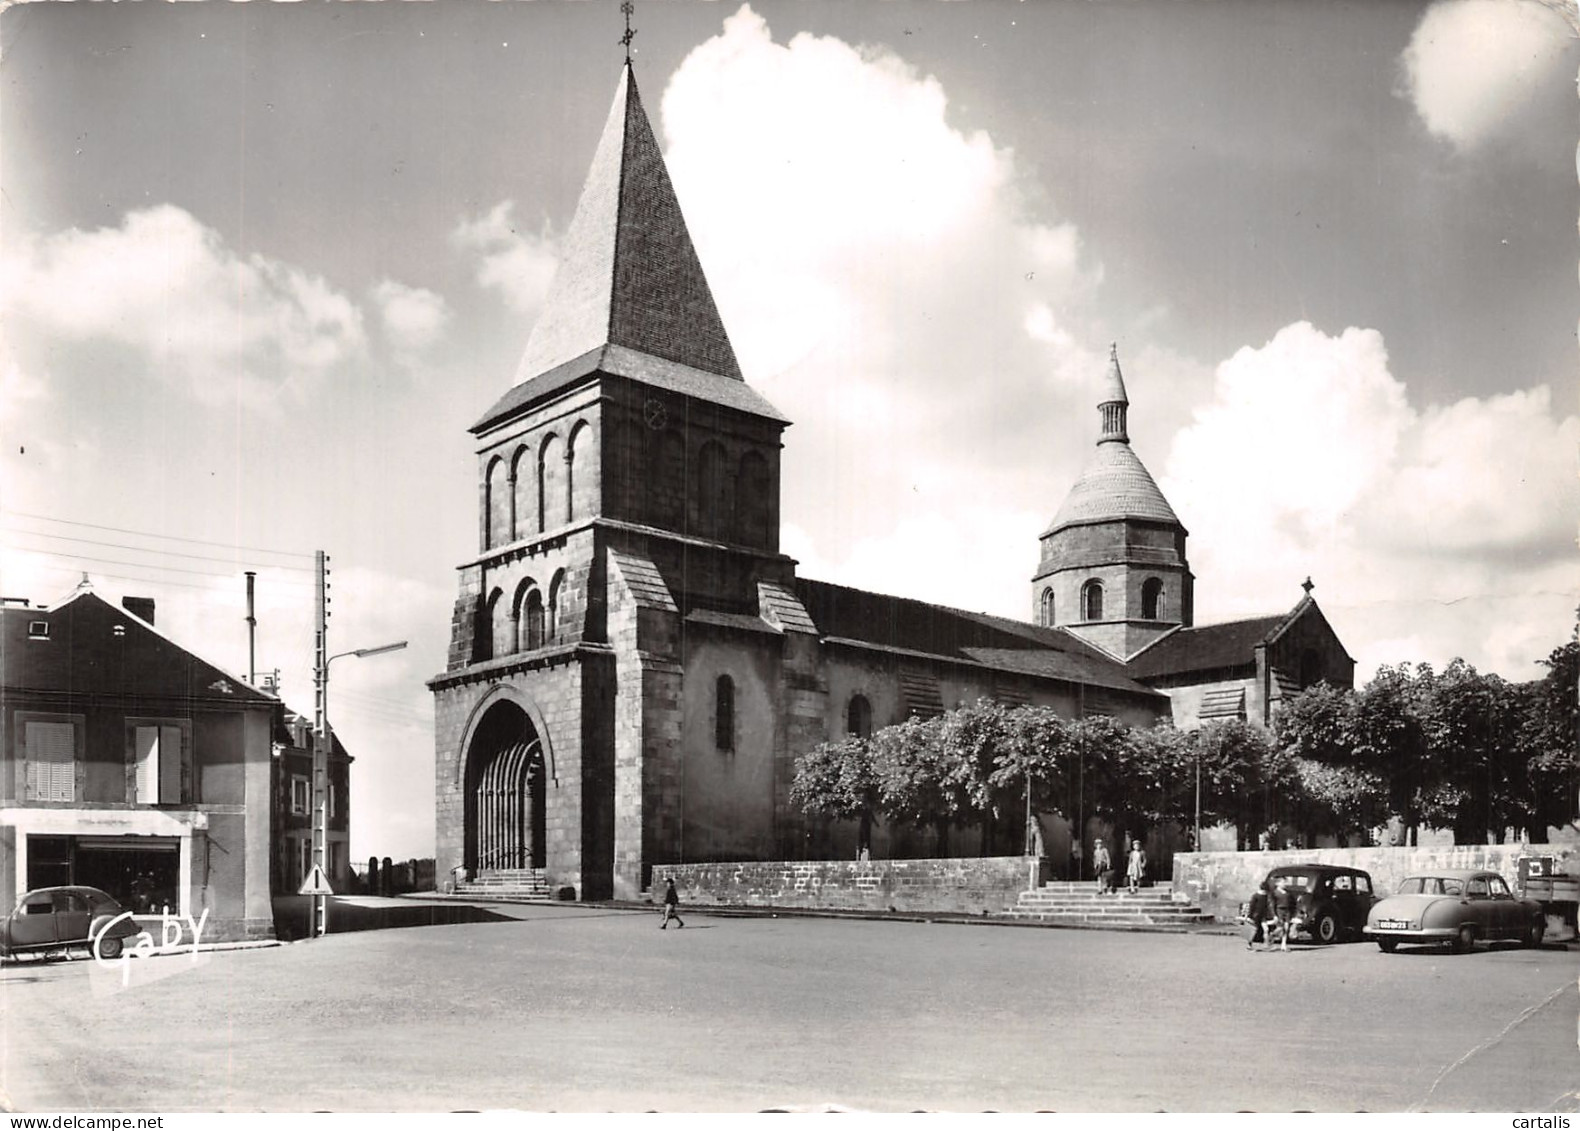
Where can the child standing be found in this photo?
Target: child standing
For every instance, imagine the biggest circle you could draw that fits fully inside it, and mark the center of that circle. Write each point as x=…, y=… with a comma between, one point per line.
x=1136, y=870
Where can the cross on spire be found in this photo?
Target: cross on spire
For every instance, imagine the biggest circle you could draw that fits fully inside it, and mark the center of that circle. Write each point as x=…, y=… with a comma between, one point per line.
x=629, y=35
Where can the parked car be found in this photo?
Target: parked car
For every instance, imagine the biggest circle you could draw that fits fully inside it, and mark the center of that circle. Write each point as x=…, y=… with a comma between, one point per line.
x=1456, y=907
x=57, y=918
x=1331, y=902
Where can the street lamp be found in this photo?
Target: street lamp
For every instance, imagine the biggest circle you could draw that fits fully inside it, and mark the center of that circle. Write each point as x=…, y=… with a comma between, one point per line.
x=323, y=742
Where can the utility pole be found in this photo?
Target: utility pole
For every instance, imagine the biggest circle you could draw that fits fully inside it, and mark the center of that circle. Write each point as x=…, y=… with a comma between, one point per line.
x=321, y=738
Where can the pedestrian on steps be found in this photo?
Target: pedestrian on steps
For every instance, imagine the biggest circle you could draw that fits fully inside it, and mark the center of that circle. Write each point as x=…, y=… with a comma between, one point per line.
x=1103, y=866
x=671, y=905
x=1136, y=869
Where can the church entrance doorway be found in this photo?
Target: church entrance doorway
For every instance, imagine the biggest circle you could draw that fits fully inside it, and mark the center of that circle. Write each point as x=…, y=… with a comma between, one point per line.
x=504, y=793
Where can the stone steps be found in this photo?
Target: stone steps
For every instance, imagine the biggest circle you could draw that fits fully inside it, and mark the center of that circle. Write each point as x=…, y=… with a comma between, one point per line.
x=1080, y=904
x=517, y=883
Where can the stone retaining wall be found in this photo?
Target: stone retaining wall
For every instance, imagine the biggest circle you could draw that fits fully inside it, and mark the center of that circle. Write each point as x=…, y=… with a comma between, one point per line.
x=1220, y=881
x=969, y=885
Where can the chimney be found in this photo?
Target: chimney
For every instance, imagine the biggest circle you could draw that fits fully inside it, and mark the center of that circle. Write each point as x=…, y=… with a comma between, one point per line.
x=140, y=607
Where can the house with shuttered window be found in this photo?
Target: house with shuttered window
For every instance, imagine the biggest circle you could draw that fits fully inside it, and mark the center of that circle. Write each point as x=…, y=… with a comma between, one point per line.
x=130, y=764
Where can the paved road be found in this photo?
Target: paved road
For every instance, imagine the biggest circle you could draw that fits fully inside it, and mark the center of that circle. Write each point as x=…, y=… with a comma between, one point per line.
x=584, y=1009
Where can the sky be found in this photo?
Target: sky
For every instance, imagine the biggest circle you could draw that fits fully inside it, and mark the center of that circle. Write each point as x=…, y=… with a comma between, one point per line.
x=261, y=266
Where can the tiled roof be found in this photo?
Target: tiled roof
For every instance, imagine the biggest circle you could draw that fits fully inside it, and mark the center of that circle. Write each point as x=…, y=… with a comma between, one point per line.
x=629, y=274
x=922, y=629
x=643, y=580
x=1208, y=648
x=781, y=608
x=1115, y=485
x=94, y=648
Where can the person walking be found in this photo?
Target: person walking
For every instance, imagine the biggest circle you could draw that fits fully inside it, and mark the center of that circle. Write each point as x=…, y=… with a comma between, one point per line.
x=1136, y=869
x=1283, y=912
x=671, y=905
x=1102, y=867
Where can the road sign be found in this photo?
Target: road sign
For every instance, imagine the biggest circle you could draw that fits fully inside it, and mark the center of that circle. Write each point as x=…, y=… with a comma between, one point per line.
x=316, y=883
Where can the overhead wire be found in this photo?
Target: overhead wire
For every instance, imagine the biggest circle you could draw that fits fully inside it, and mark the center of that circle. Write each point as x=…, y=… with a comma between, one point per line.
x=151, y=534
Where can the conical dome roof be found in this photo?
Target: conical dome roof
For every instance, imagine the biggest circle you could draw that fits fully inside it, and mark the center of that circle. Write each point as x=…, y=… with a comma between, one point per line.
x=1115, y=485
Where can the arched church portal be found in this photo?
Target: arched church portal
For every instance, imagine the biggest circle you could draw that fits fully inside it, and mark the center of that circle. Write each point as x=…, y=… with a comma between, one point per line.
x=504, y=792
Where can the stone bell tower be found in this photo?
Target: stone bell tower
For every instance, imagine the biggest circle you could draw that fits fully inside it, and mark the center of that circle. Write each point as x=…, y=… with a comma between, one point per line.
x=629, y=476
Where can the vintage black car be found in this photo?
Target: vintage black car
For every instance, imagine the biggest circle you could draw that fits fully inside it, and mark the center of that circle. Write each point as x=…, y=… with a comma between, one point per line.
x=1331, y=902
x=57, y=918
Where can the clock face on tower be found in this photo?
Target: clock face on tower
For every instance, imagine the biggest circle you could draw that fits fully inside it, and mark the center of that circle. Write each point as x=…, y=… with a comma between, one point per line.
x=655, y=412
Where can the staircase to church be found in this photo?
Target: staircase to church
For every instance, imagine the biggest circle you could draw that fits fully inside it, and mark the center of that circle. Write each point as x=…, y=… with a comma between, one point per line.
x=1079, y=904
x=506, y=883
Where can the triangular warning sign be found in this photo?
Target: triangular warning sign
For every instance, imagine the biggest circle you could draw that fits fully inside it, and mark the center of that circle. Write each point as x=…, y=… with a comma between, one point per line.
x=316, y=883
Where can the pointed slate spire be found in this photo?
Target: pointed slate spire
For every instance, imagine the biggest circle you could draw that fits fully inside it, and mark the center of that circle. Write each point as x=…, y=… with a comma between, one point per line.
x=1115, y=405
x=629, y=275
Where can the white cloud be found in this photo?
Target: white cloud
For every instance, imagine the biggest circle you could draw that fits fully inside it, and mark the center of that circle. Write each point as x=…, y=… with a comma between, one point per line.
x=1431, y=532
x=519, y=265
x=1472, y=64
x=167, y=287
x=413, y=318
x=885, y=280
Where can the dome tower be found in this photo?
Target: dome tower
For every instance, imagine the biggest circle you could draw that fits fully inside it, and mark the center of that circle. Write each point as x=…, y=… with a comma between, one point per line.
x=1112, y=568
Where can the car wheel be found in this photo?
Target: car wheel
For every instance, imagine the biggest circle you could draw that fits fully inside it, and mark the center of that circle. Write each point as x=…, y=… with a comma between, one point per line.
x=1533, y=933
x=1326, y=929
x=1387, y=946
x=1465, y=939
x=109, y=947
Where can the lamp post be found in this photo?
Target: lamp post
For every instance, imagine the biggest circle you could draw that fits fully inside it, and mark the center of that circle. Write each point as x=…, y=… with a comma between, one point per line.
x=323, y=743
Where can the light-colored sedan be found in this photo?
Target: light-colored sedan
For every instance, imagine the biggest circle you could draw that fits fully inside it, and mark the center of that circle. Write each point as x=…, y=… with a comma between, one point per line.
x=1460, y=908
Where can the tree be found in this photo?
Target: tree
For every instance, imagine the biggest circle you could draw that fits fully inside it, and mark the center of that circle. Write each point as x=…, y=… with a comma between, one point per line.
x=1550, y=741
x=836, y=779
x=918, y=781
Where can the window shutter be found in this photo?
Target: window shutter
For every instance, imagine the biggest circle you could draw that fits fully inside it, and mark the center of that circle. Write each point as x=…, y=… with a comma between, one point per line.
x=51, y=761
x=171, y=765
x=147, y=765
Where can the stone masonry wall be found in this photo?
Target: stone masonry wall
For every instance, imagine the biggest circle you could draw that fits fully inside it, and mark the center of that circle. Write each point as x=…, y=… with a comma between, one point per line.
x=972, y=886
x=1220, y=881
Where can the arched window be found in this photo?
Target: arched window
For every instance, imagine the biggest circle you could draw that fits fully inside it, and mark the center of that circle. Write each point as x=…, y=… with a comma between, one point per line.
x=668, y=487
x=858, y=717
x=496, y=505
x=518, y=618
x=753, y=501
x=1151, y=598
x=501, y=627
x=1047, y=606
x=1092, y=600
x=523, y=487
x=724, y=713
x=578, y=463
x=551, y=473
x=534, y=634
x=555, y=614
x=712, y=505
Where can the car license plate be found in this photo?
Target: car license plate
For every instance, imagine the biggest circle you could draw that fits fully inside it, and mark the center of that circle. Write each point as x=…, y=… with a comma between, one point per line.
x=1393, y=924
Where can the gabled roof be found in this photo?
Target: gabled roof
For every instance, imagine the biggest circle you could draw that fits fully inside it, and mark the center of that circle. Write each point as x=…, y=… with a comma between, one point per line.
x=1210, y=647
x=85, y=655
x=926, y=630
x=629, y=275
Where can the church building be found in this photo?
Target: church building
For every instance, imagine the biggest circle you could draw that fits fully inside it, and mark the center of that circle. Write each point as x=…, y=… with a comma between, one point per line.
x=634, y=665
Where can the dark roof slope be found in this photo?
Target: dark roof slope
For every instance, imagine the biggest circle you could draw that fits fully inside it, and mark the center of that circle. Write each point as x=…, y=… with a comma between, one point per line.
x=1208, y=648
x=953, y=634
x=85, y=655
